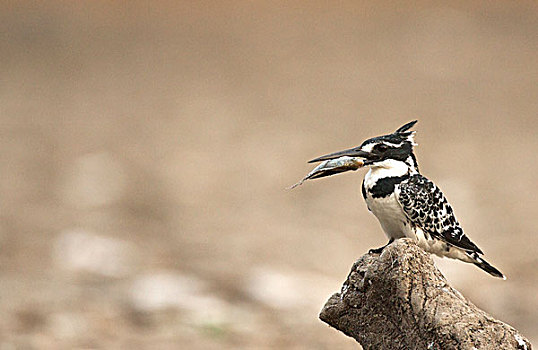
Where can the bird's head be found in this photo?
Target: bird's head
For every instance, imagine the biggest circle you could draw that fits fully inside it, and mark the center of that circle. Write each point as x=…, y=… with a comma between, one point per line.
x=382, y=151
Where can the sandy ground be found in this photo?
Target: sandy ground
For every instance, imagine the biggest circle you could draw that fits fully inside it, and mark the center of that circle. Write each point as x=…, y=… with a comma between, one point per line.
x=145, y=150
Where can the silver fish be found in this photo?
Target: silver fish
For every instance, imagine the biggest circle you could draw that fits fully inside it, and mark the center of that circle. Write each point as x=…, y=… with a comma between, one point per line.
x=331, y=167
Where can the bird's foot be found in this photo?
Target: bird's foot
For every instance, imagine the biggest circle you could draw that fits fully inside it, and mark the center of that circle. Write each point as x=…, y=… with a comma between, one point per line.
x=380, y=249
x=376, y=250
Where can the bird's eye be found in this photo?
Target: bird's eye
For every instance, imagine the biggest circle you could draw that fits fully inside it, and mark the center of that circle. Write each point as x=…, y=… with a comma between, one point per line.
x=381, y=147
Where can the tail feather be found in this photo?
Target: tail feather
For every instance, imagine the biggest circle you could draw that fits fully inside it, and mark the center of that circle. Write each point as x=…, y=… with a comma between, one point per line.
x=484, y=265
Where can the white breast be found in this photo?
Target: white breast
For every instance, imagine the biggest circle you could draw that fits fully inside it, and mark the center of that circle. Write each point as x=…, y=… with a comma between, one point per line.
x=390, y=215
x=387, y=209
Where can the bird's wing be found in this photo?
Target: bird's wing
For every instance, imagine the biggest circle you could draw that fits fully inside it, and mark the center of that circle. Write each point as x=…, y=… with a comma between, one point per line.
x=426, y=207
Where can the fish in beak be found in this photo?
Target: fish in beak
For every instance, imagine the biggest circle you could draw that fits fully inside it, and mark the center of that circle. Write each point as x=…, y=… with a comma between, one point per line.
x=332, y=166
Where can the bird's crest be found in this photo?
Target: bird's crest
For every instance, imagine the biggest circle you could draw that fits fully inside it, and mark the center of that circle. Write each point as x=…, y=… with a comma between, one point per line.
x=402, y=131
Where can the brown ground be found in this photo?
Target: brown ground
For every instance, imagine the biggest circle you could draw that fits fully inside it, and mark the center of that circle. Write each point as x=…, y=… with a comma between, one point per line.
x=146, y=147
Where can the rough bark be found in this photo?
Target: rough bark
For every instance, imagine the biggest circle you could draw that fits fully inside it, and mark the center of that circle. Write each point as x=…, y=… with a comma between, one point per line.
x=399, y=300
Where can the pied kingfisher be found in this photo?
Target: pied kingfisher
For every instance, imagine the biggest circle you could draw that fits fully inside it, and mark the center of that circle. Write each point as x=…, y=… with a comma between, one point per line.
x=406, y=203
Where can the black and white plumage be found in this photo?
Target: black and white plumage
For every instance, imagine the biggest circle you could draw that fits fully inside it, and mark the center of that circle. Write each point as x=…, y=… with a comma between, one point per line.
x=406, y=203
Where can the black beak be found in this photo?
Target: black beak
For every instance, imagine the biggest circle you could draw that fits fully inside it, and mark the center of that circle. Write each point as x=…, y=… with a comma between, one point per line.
x=352, y=152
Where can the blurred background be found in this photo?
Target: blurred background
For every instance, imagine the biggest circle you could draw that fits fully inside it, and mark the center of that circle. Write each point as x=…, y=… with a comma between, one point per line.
x=146, y=148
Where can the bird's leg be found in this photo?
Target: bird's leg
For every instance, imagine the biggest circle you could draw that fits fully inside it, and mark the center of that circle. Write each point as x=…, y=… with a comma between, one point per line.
x=380, y=249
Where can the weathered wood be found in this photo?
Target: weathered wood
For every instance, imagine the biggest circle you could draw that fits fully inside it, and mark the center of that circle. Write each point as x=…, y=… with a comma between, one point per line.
x=399, y=300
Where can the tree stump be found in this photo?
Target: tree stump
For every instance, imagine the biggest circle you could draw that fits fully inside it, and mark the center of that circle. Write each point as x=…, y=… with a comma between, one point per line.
x=399, y=300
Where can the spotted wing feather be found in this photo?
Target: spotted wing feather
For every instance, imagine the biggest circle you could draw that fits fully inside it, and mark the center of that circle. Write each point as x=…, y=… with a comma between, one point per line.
x=426, y=207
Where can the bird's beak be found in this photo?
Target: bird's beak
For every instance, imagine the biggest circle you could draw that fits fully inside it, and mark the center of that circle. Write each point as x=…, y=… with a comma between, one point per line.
x=352, y=152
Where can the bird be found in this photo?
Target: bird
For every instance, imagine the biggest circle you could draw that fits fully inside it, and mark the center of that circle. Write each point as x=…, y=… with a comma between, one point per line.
x=406, y=203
